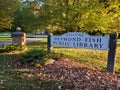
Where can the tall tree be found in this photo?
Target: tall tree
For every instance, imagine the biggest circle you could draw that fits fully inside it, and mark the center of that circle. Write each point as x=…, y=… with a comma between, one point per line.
x=82, y=15
x=7, y=8
x=27, y=16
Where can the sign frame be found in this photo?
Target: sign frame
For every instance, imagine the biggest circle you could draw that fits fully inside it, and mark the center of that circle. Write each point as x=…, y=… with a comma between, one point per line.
x=111, y=47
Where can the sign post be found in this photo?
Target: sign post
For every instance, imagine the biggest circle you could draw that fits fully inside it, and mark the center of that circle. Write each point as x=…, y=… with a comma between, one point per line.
x=111, y=52
x=49, y=46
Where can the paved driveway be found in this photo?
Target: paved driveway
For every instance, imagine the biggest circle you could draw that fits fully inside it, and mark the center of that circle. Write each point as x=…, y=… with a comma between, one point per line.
x=28, y=40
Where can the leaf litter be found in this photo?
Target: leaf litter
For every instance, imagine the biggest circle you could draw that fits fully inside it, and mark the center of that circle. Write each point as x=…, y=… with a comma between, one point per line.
x=77, y=76
x=69, y=75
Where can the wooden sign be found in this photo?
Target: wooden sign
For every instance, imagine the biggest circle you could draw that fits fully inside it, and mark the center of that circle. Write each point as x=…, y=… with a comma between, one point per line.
x=81, y=40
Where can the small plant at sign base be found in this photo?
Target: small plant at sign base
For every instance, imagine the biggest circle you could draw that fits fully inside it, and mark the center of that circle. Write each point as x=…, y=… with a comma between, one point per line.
x=34, y=56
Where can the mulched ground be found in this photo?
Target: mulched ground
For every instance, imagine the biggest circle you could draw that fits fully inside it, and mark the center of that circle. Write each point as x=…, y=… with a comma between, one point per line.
x=72, y=74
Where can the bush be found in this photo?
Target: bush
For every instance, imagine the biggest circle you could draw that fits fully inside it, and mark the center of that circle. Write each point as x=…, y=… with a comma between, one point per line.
x=9, y=48
x=34, y=56
x=38, y=56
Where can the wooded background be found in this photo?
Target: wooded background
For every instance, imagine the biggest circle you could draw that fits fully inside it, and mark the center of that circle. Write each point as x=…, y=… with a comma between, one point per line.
x=60, y=16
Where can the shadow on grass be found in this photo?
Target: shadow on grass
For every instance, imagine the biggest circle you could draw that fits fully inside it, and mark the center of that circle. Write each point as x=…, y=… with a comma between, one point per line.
x=38, y=44
x=14, y=78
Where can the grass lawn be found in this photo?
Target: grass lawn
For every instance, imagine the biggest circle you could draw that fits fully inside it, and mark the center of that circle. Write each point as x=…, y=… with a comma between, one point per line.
x=16, y=78
x=5, y=38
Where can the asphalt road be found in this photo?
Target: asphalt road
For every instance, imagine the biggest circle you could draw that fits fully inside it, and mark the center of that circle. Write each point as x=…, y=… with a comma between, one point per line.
x=28, y=40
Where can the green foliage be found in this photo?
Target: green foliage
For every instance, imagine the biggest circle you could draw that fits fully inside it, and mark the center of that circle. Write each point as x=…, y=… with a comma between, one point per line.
x=60, y=16
x=26, y=16
x=38, y=56
x=9, y=48
x=33, y=56
x=7, y=8
x=82, y=15
x=25, y=19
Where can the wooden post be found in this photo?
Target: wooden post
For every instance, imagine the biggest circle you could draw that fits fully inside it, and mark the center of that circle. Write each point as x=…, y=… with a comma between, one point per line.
x=49, y=47
x=111, y=52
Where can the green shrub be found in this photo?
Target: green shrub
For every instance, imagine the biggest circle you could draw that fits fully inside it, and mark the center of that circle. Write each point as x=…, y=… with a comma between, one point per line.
x=9, y=48
x=34, y=56
x=38, y=56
